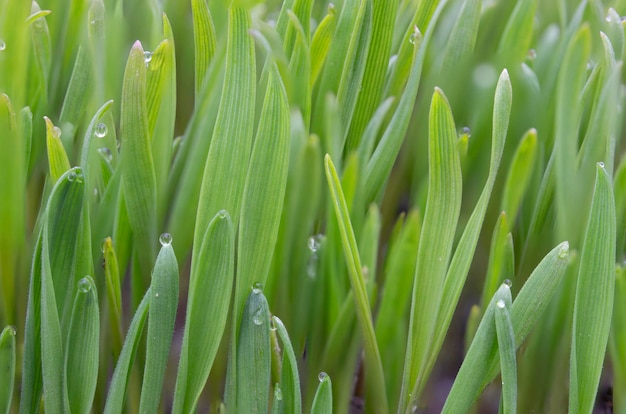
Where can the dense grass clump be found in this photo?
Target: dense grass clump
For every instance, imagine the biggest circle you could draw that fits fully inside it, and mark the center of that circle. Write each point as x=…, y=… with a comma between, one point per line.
x=246, y=206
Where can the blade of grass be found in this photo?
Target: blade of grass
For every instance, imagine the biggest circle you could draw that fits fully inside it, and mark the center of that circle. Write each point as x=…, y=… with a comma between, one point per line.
x=323, y=401
x=205, y=41
x=82, y=348
x=114, y=295
x=289, y=378
x=460, y=44
x=617, y=343
x=507, y=350
x=519, y=174
x=376, y=394
x=320, y=44
x=203, y=330
x=57, y=157
x=594, y=297
x=7, y=362
x=161, y=317
x=440, y=219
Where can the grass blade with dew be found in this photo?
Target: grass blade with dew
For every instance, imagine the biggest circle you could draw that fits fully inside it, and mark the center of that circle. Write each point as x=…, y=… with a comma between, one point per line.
x=40, y=36
x=374, y=379
x=82, y=349
x=507, y=351
x=462, y=259
x=7, y=372
x=138, y=175
x=439, y=226
x=595, y=291
x=476, y=362
x=254, y=355
x=212, y=284
x=289, y=377
x=501, y=259
x=380, y=164
x=119, y=382
x=161, y=317
x=323, y=401
x=57, y=157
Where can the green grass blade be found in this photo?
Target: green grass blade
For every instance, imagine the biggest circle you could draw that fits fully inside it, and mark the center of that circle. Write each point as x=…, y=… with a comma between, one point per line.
x=254, y=356
x=594, y=297
x=114, y=294
x=518, y=33
x=82, y=349
x=77, y=95
x=617, y=343
x=377, y=398
x=119, y=382
x=323, y=401
x=320, y=44
x=519, y=175
x=477, y=361
x=57, y=157
x=7, y=362
x=40, y=36
x=501, y=261
x=460, y=44
x=161, y=317
x=94, y=129
x=205, y=41
x=440, y=219
x=138, y=175
x=211, y=284
x=289, y=377
x=507, y=350
x=300, y=67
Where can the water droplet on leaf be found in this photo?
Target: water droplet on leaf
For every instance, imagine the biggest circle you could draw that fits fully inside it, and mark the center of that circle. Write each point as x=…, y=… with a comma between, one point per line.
x=165, y=239
x=257, y=288
x=258, y=317
x=278, y=393
x=56, y=131
x=84, y=285
x=508, y=283
x=106, y=153
x=322, y=376
x=2, y=45
x=147, y=57
x=101, y=130
x=501, y=304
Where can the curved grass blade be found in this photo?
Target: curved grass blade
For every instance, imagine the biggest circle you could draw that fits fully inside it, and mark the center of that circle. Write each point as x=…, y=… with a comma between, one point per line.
x=57, y=157
x=501, y=260
x=138, y=175
x=162, y=314
x=90, y=133
x=507, y=350
x=375, y=382
x=300, y=67
x=119, y=382
x=77, y=95
x=7, y=370
x=254, y=356
x=211, y=284
x=477, y=361
x=81, y=349
x=289, y=377
x=323, y=401
x=595, y=291
x=440, y=220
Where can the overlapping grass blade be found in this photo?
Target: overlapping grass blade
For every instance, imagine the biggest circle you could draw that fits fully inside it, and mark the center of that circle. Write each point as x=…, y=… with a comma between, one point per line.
x=517, y=37
x=376, y=392
x=138, y=175
x=323, y=401
x=462, y=40
x=518, y=177
x=320, y=44
x=440, y=219
x=7, y=372
x=254, y=356
x=594, y=297
x=40, y=36
x=507, y=351
x=289, y=377
x=205, y=42
x=211, y=284
x=119, y=382
x=82, y=349
x=161, y=317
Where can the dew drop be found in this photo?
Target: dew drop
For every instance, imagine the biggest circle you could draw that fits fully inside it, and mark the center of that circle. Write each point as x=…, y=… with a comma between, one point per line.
x=106, y=154
x=258, y=317
x=222, y=214
x=257, y=288
x=532, y=54
x=147, y=57
x=84, y=285
x=56, y=131
x=313, y=244
x=272, y=324
x=165, y=239
x=101, y=130
x=601, y=164
x=501, y=304
x=2, y=45
x=75, y=175
x=466, y=131
x=278, y=392
x=322, y=376
x=12, y=329
x=508, y=283
x=156, y=295
x=564, y=251
x=412, y=38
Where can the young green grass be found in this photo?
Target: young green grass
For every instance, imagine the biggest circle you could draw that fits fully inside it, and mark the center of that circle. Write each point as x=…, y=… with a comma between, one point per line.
x=341, y=190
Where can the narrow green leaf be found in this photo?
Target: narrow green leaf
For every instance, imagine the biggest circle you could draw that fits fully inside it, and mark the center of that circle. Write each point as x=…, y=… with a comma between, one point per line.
x=205, y=41
x=518, y=33
x=501, y=262
x=211, y=284
x=440, y=219
x=507, y=350
x=138, y=173
x=594, y=297
x=617, y=343
x=519, y=174
x=300, y=67
x=289, y=377
x=94, y=129
x=254, y=356
x=375, y=383
x=57, y=157
x=119, y=382
x=114, y=294
x=82, y=348
x=476, y=362
x=320, y=45
x=77, y=95
x=323, y=401
x=161, y=317
x=41, y=47
x=460, y=44
x=7, y=372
